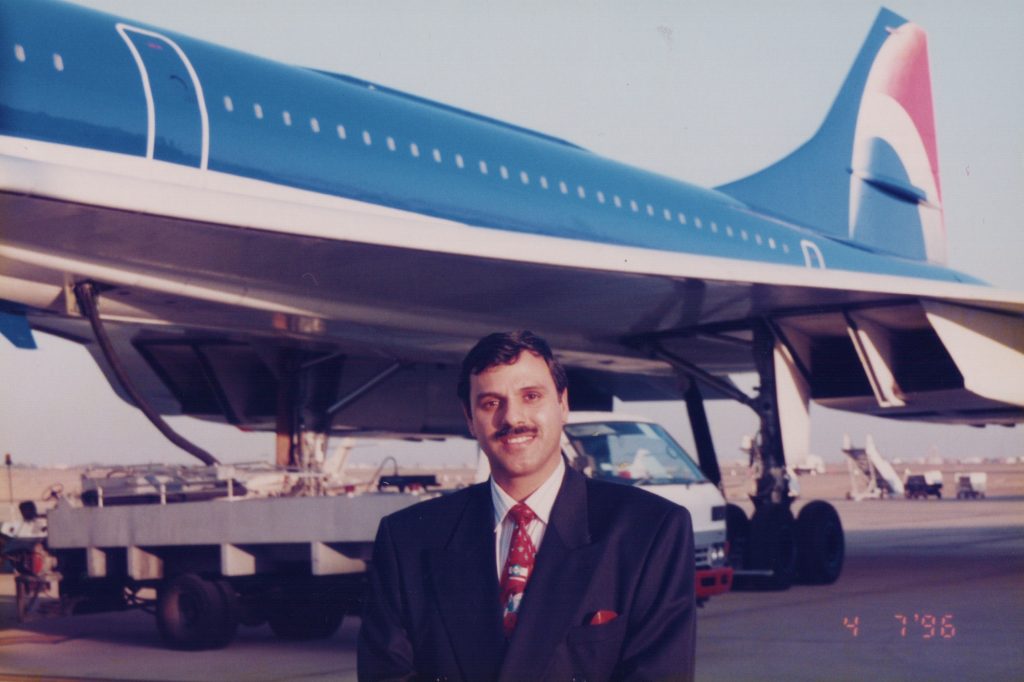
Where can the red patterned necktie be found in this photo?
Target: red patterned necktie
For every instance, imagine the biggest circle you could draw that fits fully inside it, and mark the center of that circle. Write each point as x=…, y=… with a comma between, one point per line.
x=518, y=566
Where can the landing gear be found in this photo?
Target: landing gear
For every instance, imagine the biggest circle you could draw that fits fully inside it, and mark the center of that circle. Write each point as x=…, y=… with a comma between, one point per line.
x=771, y=550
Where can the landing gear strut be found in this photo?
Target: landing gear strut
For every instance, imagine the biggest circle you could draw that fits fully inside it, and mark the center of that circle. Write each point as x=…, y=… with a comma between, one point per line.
x=771, y=549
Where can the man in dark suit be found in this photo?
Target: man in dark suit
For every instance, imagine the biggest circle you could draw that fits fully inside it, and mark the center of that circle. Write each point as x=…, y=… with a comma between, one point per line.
x=539, y=573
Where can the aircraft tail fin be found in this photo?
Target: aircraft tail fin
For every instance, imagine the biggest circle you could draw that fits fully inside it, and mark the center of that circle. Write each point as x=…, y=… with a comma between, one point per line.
x=870, y=175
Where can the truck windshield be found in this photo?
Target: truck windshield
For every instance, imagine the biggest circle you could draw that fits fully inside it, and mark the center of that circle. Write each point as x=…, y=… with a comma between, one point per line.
x=632, y=452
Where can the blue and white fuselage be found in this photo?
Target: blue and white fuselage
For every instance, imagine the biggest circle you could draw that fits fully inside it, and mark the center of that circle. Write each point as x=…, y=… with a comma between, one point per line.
x=81, y=79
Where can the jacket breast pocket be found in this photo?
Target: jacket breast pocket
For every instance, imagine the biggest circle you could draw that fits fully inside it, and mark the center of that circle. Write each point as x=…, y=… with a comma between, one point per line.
x=582, y=634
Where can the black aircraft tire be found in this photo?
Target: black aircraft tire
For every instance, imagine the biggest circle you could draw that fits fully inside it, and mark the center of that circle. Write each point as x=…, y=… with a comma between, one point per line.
x=193, y=613
x=737, y=534
x=297, y=619
x=772, y=547
x=820, y=544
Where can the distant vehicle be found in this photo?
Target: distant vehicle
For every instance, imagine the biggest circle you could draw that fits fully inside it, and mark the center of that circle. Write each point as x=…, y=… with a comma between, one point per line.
x=812, y=464
x=923, y=485
x=971, y=485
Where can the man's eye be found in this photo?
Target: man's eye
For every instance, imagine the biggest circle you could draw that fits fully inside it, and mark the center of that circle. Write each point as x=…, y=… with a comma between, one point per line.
x=531, y=396
x=489, y=404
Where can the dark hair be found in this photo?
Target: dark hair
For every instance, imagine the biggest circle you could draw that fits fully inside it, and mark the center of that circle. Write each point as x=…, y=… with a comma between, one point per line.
x=503, y=348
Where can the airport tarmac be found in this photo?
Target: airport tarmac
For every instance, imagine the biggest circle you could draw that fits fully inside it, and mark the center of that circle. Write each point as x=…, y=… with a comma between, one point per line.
x=931, y=590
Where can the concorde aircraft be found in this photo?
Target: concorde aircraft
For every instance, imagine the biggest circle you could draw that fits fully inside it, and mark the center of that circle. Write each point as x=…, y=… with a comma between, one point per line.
x=305, y=252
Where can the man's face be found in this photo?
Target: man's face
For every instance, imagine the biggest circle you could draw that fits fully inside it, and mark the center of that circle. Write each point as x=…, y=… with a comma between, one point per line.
x=517, y=414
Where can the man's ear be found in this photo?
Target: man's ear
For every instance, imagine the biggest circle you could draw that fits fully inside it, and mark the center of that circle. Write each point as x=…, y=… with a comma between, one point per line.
x=564, y=400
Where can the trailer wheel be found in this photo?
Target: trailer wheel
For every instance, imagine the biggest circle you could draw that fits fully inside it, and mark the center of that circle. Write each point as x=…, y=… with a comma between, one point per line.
x=772, y=547
x=300, y=618
x=820, y=544
x=194, y=613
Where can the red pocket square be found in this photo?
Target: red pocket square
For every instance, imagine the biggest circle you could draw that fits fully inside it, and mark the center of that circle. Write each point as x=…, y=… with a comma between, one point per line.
x=602, y=617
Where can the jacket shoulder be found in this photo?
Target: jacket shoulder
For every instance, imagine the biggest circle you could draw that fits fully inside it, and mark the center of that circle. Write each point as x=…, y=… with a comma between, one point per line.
x=435, y=515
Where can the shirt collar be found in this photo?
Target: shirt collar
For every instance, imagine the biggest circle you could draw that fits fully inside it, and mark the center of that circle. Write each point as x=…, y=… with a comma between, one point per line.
x=540, y=500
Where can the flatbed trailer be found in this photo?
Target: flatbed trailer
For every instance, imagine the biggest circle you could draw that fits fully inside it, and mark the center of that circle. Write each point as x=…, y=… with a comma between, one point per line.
x=206, y=566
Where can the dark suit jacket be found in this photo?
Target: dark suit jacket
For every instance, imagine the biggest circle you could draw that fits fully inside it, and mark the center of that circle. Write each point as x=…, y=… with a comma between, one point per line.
x=433, y=611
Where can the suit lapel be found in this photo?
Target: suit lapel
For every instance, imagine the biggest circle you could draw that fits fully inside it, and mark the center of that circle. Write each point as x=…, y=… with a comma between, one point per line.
x=466, y=589
x=565, y=564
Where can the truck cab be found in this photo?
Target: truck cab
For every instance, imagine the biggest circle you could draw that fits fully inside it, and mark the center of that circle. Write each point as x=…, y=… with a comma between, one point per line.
x=636, y=451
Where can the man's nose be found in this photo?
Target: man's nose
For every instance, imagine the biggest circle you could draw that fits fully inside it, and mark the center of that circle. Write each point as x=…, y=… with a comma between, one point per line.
x=514, y=413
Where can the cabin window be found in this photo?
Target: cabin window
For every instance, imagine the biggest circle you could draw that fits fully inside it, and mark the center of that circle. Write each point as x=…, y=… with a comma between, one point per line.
x=682, y=218
x=367, y=139
x=650, y=210
x=543, y=182
x=483, y=168
x=286, y=117
x=714, y=227
x=414, y=149
x=581, y=192
x=314, y=125
x=697, y=223
x=341, y=132
x=504, y=173
x=757, y=238
x=524, y=177
x=600, y=197
x=744, y=235
x=562, y=187
x=58, y=62
x=668, y=214
x=771, y=243
x=728, y=230
x=437, y=155
x=459, y=161
x=228, y=104
x=257, y=109
x=634, y=206
x=391, y=143
x=19, y=53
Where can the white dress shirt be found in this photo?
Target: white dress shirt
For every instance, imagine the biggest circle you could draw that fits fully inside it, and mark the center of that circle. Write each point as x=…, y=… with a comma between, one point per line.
x=540, y=501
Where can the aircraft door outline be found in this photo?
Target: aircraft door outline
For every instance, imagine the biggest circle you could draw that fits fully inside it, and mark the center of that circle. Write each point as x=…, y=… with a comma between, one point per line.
x=813, y=257
x=151, y=101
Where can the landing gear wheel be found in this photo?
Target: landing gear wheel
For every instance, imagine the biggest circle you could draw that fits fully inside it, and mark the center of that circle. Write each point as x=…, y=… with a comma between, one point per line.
x=772, y=547
x=297, y=618
x=820, y=544
x=194, y=613
x=737, y=534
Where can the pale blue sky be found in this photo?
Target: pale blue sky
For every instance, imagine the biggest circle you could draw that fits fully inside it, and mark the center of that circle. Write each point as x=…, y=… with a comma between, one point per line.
x=701, y=91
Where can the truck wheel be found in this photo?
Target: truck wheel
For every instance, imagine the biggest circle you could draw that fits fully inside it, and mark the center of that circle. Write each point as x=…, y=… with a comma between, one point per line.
x=772, y=547
x=297, y=618
x=194, y=613
x=820, y=546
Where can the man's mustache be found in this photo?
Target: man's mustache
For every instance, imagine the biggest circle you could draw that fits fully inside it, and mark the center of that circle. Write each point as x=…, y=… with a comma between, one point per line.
x=507, y=431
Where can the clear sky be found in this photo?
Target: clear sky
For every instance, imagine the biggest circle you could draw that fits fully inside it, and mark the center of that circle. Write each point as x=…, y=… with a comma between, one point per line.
x=702, y=91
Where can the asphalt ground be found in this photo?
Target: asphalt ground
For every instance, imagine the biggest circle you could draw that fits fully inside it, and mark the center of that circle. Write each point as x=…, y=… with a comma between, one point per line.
x=931, y=590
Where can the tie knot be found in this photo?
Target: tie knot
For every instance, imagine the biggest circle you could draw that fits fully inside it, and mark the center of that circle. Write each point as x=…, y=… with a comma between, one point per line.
x=522, y=514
